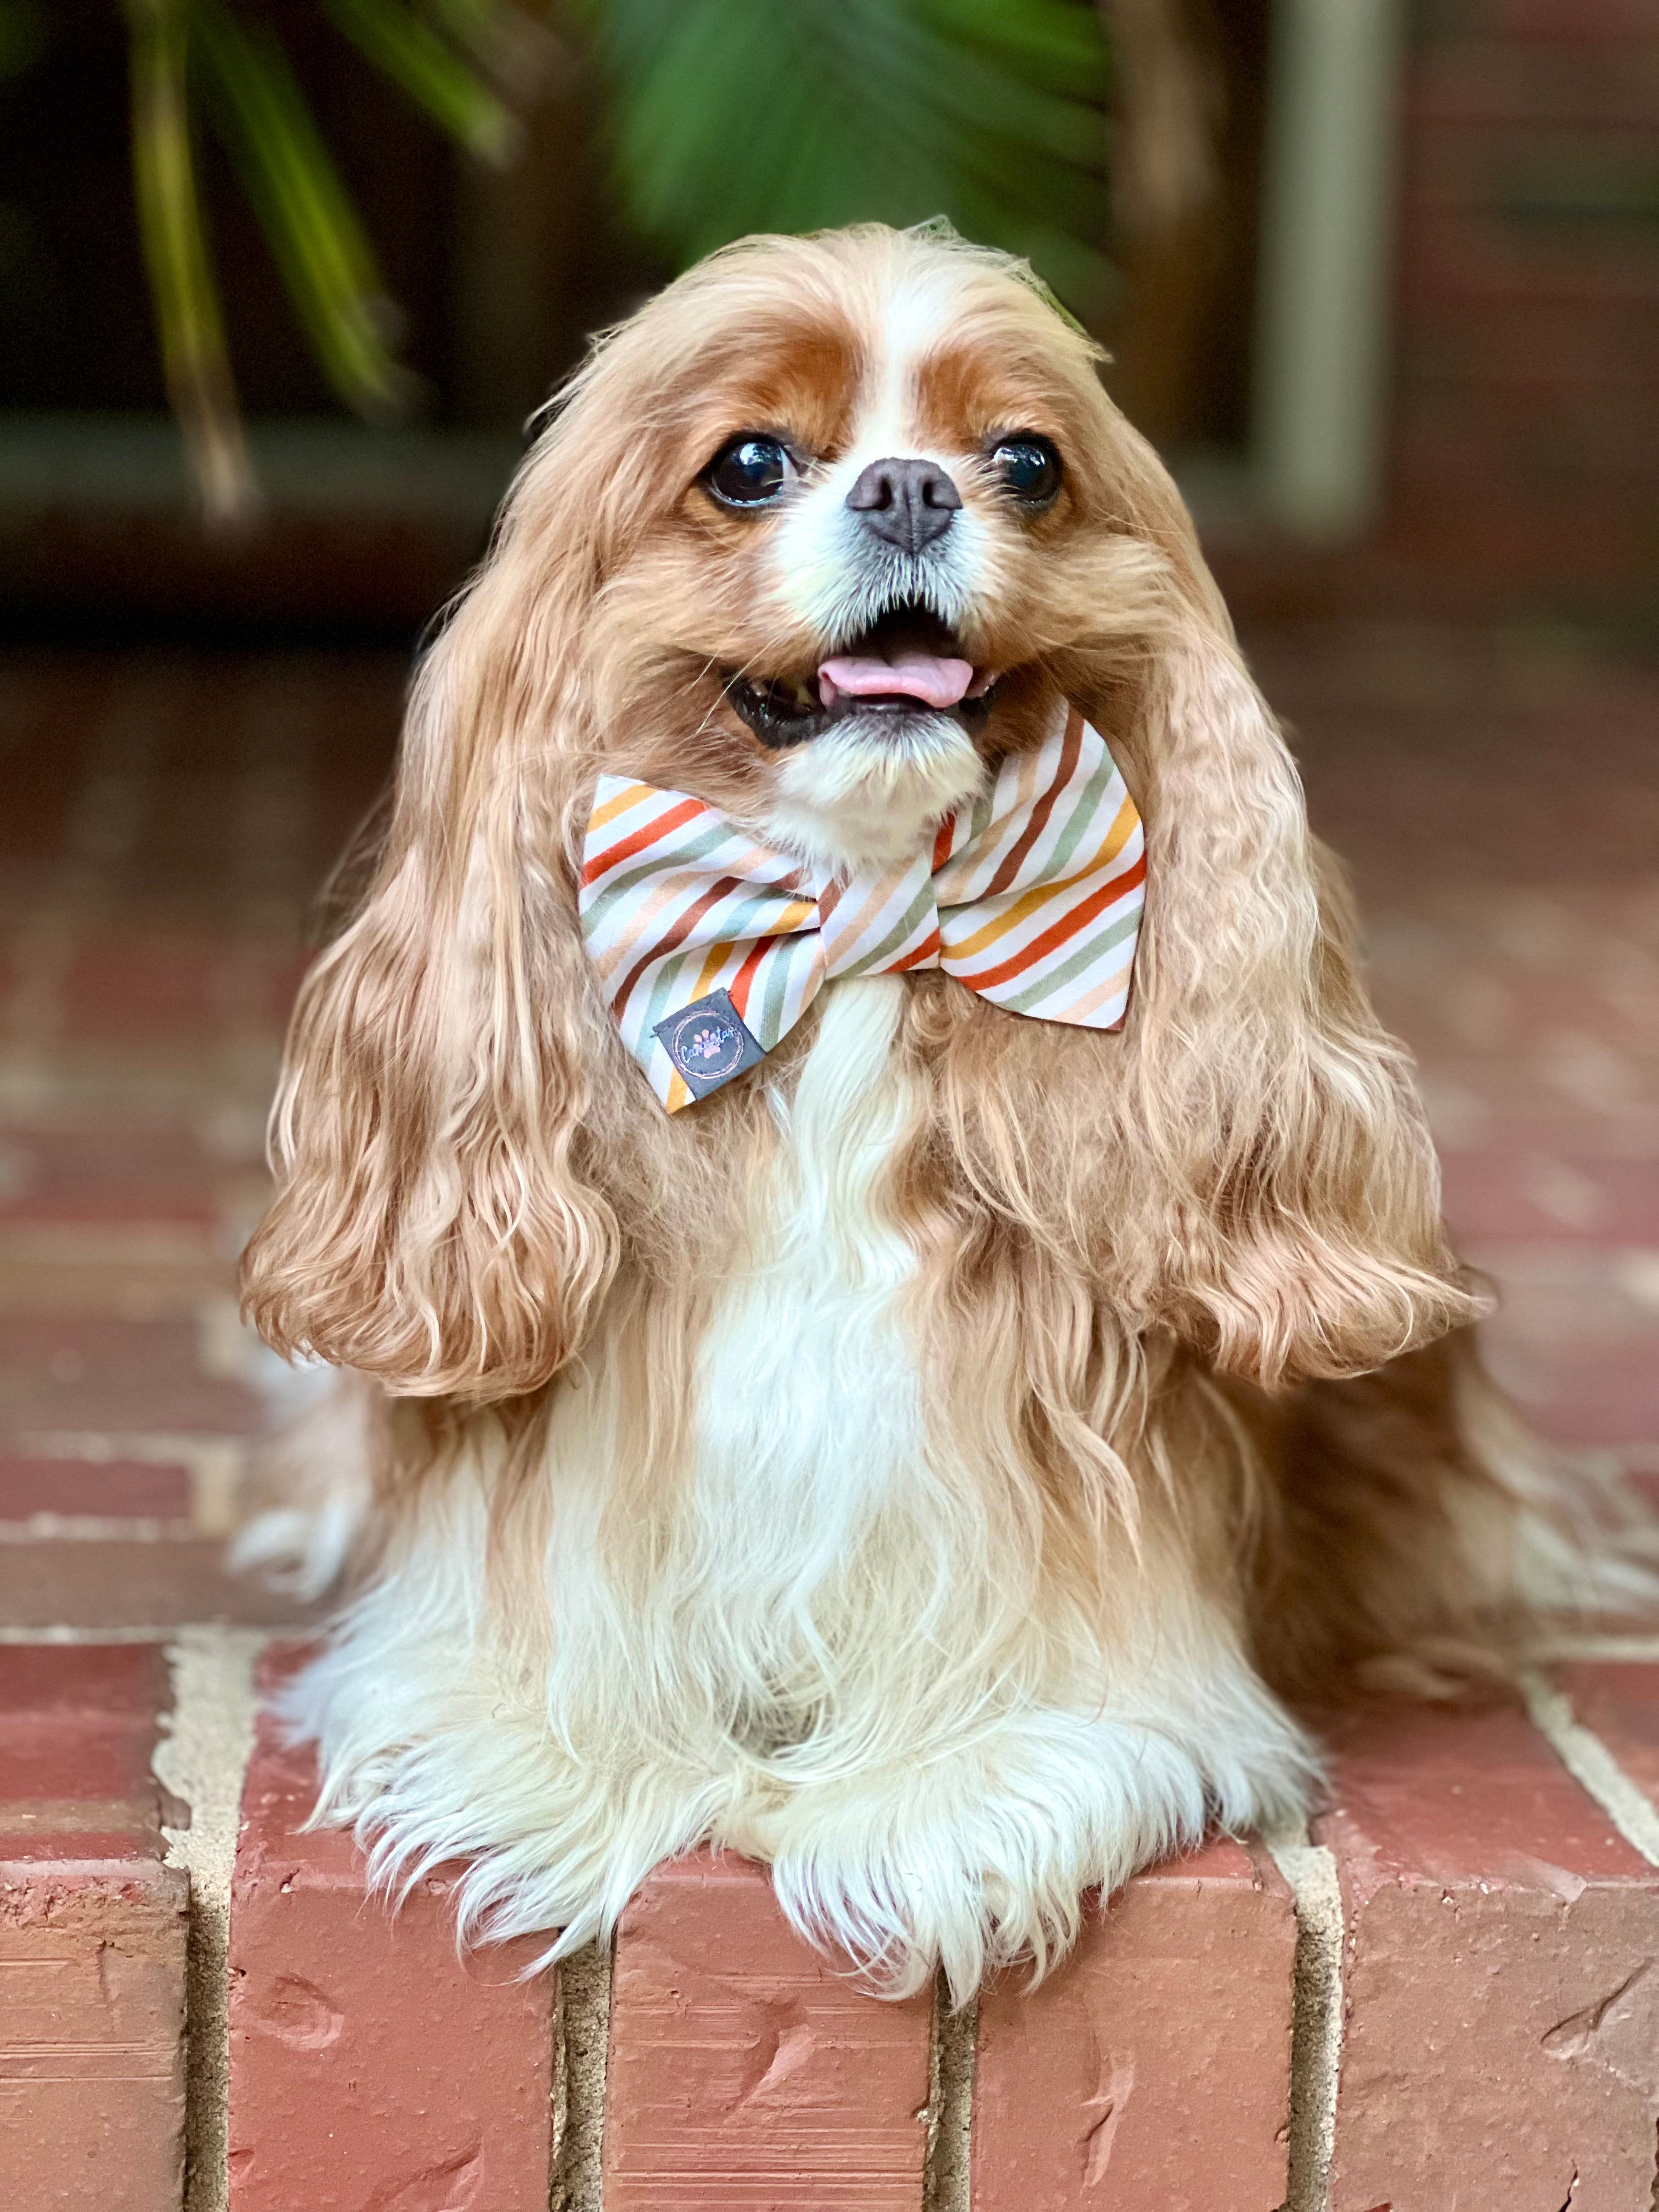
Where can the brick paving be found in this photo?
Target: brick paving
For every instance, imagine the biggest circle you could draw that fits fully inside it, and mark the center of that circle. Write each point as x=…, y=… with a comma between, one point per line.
x=91, y=1935
x=169, y=821
x=1496, y=797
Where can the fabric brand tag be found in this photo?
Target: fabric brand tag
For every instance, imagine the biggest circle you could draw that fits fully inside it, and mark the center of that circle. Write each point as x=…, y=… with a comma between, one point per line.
x=708, y=1042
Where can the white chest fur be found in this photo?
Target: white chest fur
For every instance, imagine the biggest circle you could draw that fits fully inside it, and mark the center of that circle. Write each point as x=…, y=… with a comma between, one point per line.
x=809, y=1407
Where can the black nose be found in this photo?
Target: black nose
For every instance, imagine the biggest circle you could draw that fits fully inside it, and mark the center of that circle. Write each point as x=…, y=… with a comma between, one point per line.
x=909, y=503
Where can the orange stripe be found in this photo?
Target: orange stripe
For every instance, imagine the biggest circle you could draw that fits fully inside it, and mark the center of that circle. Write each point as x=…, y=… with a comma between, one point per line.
x=676, y=819
x=942, y=838
x=1062, y=932
x=672, y=940
x=1124, y=822
x=738, y=989
x=717, y=957
x=928, y=951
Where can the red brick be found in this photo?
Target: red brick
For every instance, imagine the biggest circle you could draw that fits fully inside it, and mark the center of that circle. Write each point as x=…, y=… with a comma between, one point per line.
x=1562, y=1192
x=78, y=1723
x=110, y=1172
x=93, y=1931
x=138, y=983
x=370, y=2065
x=1154, y=2065
x=1621, y=1704
x=113, y=1375
x=748, y=2072
x=112, y=1582
x=123, y=1488
x=1501, y=2027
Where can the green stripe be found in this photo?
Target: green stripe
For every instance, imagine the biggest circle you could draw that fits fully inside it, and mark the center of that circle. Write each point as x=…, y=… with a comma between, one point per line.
x=899, y=934
x=767, y=1027
x=671, y=978
x=1029, y=995
x=1091, y=805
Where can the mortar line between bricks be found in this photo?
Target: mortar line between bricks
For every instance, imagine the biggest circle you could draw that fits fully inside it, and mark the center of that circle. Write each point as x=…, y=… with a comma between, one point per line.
x=952, y=2051
x=1591, y=1764
x=203, y=1760
x=581, y=2064
x=1610, y=1650
x=1316, y=2015
x=12, y=1633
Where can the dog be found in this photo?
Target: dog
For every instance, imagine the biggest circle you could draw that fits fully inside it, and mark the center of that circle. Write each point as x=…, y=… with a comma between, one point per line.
x=931, y=1431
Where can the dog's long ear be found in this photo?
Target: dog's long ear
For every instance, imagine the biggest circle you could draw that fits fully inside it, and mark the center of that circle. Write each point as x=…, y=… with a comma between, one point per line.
x=440, y=1221
x=1285, y=1185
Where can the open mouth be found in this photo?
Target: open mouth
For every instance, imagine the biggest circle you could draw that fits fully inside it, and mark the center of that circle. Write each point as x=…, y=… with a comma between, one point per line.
x=908, y=664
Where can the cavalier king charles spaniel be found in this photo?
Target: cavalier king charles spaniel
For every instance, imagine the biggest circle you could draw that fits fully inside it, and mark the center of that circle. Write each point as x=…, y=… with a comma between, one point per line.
x=902, y=1282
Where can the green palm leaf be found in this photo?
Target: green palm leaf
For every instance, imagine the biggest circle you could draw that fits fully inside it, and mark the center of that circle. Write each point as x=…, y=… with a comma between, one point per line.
x=736, y=115
x=191, y=328
x=417, y=59
x=320, y=248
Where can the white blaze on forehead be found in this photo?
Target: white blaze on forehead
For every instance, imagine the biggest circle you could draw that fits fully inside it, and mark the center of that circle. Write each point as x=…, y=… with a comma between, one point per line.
x=830, y=572
x=917, y=315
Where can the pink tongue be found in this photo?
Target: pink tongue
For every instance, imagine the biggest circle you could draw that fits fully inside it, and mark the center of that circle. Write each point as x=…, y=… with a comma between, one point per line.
x=925, y=676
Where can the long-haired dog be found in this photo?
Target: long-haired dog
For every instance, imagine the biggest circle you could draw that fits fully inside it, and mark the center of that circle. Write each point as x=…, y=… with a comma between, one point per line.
x=930, y=1459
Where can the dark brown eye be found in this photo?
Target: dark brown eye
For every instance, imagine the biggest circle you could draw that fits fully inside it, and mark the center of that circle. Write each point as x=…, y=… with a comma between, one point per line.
x=751, y=472
x=1029, y=467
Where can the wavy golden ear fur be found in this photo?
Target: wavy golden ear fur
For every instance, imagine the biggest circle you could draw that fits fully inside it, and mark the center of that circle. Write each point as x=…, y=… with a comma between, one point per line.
x=440, y=1224
x=1288, y=1172
x=1258, y=1158
x=1287, y=1181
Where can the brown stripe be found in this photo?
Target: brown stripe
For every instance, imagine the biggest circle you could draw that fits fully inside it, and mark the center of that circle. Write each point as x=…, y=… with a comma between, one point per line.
x=677, y=936
x=1008, y=868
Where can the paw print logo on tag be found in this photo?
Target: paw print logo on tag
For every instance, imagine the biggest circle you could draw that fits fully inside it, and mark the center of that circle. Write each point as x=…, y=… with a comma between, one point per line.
x=708, y=1042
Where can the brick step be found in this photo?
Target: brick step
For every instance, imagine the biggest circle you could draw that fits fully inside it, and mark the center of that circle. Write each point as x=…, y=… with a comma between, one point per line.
x=93, y=1934
x=1445, y=1993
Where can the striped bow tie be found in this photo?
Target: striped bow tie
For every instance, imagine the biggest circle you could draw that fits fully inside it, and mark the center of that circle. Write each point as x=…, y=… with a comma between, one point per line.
x=710, y=947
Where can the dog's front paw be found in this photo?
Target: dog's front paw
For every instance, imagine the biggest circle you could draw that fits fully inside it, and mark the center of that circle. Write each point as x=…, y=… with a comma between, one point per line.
x=978, y=1861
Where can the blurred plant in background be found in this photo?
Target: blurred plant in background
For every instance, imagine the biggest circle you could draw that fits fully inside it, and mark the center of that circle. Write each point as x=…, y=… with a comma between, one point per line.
x=724, y=116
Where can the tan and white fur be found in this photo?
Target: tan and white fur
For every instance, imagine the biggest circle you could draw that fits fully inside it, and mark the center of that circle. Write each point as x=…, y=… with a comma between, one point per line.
x=934, y=1463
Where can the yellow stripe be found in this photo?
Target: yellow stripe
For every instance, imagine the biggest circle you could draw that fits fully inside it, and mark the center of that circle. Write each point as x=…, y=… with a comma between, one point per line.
x=679, y=1092
x=1034, y=900
x=619, y=804
x=717, y=957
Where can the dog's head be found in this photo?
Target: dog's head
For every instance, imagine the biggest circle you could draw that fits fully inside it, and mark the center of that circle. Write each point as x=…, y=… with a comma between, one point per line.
x=847, y=495
x=828, y=529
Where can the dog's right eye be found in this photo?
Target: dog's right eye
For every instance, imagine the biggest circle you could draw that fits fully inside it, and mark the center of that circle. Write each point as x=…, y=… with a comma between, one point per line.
x=750, y=472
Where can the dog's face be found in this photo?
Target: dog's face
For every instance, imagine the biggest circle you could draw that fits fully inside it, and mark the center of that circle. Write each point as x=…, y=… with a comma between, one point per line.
x=870, y=471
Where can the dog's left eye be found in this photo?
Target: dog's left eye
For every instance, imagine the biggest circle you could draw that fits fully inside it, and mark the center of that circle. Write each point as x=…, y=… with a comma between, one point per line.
x=1029, y=467
x=750, y=472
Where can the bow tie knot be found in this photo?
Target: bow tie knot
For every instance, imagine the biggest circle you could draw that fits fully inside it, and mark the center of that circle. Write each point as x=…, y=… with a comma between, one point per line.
x=709, y=947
